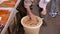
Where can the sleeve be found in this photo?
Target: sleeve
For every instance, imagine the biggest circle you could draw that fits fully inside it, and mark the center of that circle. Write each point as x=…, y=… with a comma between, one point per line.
x=27, y=3
x=43, y=3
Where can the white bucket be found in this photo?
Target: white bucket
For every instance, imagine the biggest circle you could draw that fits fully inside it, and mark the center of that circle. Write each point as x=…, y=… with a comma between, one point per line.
x=31, y=30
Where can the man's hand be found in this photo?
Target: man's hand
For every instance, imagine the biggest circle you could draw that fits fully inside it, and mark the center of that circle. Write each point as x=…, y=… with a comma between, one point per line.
x=44, y=12
x=43, y=4
x=33, y=17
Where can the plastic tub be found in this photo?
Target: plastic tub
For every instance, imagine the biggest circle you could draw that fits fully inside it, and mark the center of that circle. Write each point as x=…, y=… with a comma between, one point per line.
x=29, y=29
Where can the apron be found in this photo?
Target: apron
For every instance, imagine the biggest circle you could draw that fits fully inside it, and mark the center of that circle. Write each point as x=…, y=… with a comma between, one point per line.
x=35, y=8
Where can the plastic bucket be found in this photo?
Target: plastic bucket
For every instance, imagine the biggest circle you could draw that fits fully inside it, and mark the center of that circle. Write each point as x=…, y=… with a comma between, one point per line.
x=31, y=30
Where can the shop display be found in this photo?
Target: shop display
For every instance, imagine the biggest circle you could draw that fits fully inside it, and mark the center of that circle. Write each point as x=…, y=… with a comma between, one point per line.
x=8, y=3
x=4, y=15
x=7, y=13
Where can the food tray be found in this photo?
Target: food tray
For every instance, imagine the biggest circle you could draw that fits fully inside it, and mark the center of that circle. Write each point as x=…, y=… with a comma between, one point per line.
x=8, y=3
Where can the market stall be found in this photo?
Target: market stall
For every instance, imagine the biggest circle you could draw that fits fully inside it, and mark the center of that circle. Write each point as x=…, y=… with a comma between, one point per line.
x=7, y=13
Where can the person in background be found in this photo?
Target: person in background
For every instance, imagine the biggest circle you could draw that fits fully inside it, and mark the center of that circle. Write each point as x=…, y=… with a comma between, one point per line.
x=42, y=8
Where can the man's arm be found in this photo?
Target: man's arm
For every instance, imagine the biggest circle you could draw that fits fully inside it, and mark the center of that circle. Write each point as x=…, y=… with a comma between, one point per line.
x=43, y=4
x=27, y=5
x=28, y=10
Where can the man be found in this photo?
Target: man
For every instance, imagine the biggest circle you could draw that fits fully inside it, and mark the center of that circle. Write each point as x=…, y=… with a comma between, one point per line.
x=41, y=3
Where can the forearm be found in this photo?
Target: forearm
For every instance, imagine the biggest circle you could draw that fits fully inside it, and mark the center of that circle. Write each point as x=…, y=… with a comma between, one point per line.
x=28, y=11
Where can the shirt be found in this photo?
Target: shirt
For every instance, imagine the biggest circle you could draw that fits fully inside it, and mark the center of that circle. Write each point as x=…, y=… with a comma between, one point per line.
x=42, y=3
